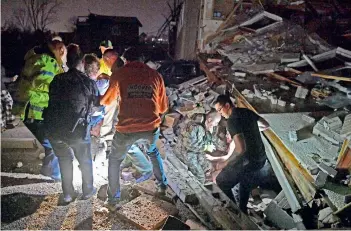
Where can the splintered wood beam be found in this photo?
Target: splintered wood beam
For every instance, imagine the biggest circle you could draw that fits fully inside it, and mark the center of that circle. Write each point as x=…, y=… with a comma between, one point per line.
x=344, y=158
x=211, y=76
x=224, y=23
x=282, y=78
x=347, y=79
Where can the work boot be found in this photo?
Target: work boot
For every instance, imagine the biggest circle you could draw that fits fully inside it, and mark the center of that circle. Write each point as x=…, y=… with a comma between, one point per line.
x=89, y=195
x=68, y=198
x=161, y=190
x=113, y=204
x=51, y=168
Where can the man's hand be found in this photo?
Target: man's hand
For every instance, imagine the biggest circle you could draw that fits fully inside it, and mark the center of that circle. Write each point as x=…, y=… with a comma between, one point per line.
x=211, y=158
x=14, y=78
x=103, y=76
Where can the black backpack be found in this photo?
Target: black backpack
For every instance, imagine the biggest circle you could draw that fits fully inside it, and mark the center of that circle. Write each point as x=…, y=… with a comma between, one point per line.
x=72, y=97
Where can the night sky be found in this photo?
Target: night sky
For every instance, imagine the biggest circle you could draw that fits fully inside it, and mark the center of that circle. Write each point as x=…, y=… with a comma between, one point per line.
x=149, y=12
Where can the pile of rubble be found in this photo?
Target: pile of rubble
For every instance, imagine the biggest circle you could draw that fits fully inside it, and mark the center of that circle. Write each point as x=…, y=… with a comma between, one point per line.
x=196, y=97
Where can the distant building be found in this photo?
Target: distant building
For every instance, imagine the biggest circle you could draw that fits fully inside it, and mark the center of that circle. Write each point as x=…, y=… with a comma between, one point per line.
x=92, y=29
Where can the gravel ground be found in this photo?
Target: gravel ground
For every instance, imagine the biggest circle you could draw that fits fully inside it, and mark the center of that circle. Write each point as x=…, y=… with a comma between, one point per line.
x=35, y=202
x=87, y=215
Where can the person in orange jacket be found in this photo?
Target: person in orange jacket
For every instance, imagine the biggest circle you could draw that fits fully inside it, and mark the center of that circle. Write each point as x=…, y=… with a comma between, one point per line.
x=142, y=101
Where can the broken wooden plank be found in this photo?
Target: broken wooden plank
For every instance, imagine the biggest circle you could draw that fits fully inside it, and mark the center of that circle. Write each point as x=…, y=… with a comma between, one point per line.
x=282, y=78
x=344, y=158
x=210, y=76
x=224, y=23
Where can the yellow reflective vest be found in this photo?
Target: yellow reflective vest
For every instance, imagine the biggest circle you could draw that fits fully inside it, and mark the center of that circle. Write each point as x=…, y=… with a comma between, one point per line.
x=38, y=72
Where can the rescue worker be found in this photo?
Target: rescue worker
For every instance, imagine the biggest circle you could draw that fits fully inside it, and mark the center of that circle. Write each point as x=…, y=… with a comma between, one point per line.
x=135, y=155
x=109, y=59
x=142, y=101
x=73, y=98
x=105, y=45
x=246, y=160
x=42, y=64
x=194, y=139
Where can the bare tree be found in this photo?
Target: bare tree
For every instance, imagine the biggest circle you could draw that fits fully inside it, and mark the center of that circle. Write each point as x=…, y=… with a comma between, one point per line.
x=22, y=19
x=37, y=13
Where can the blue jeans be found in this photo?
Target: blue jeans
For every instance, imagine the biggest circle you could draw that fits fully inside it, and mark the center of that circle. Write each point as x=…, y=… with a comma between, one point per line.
x=50, y=161
x=65, y=151
x=249, y=177
x=121, y=143
x=137, y=158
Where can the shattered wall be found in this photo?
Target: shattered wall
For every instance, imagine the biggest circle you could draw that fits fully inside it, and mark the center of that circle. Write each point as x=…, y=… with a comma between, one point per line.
x=186, y=38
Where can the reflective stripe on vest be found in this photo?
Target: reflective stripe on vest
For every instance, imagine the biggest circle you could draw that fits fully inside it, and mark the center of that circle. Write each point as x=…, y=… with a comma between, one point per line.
x=36, y=108
x=49, y=73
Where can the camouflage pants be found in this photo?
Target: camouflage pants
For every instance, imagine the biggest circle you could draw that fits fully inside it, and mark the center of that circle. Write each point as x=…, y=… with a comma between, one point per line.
x=198, y=165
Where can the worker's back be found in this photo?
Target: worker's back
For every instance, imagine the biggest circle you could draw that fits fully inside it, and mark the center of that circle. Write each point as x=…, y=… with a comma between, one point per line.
x=72, y=98
x=142, y=97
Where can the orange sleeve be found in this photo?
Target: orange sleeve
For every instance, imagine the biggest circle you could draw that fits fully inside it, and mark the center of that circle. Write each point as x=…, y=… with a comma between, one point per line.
x=162, y=97
x=112, y=92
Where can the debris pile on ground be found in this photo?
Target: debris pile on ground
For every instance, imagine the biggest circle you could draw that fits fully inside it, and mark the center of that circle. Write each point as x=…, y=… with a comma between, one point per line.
x=295, y=80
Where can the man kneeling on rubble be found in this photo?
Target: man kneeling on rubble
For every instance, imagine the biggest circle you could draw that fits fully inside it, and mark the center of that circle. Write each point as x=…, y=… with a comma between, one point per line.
x=196, y=138
x=246, y=156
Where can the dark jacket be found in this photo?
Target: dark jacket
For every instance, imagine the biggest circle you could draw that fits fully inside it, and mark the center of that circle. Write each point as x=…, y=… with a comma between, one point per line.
x=73, y=97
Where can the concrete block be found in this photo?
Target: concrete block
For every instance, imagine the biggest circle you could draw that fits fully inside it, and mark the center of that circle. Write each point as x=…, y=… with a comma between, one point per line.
x=240, y=74
x=18, y=143
x=258, y=93
x=331, y=136
x=324, y=213
x=313, y=169
x=149, y=187
x=290, y=58
x=308, y=119
x=332, y=124
x=273, y=99
x=194, y=225
x=171, y=119
x=250, y=96
x=279, y=217
x=328, y=170
x=281, y=103
x=279, y=197
x=292, y=136
x=321, y=179
x=284, y=204
x=301, y=92
x=173, y=223
x=147, y=213
x=246, y=92
x=183, y=191
x=285, y=87
x=292, y=105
